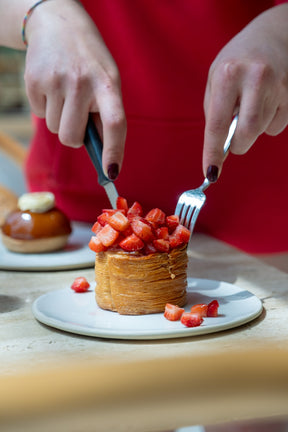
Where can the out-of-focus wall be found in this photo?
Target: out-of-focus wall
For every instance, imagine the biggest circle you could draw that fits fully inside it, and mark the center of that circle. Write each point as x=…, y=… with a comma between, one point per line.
x=12, y=89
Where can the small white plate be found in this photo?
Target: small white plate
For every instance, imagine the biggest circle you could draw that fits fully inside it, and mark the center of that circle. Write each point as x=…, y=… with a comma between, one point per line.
x=75, y=255
x=78, y=313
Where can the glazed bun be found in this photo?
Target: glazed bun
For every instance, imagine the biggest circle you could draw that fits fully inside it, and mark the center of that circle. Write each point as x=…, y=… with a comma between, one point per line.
x=36, y=226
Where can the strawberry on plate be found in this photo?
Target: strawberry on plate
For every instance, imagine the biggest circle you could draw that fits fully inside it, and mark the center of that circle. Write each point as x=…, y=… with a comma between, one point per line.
x=212, y=310
x=191, y=319
x=80, y=284
x=200, y=309
x=173, y=312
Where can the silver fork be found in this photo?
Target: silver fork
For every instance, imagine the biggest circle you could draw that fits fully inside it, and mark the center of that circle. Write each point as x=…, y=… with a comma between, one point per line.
x=191, y=201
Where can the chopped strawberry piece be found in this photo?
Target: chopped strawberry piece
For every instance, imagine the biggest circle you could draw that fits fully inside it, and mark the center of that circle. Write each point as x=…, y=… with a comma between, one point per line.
x=108, y=235
x=119, y=221
x=191, y=319
x=142, y=229
x=96, y=227
x=156, y=216
x=200, y=309
x=121, y=204
x=180, y=236
x=162, y=233
x=161, y=245
x=103, y=218
x=96, y=245
x=149, y=248
x=173, y=312
x=212, y=310
x=172, y=222
x=131, y=243
x=135, y=210
x=80, y=284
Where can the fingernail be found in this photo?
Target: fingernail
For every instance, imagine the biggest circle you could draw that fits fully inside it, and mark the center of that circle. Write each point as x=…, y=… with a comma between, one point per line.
x=212, y=173
x=113, y=171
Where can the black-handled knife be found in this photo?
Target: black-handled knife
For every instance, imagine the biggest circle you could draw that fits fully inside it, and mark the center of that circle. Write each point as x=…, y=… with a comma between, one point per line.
x=93, y=145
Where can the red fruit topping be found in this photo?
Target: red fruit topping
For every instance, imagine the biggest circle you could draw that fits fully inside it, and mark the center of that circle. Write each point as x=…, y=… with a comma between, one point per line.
x=103, y=218
x=107, y=235
x=191, y=319
x=96, y=227
x=172, y=222
x=119, y=221
x=121, y=204
x=161, y=245
x=180, y=236
x=156, y=216
x=135, y=210
x=96, y=245
x=131, y=243
x=162, y=233
x=80, y=284
x=212, y=310
x=142, y=229
x=173, y=312
x=200, y=309
x=149, y=249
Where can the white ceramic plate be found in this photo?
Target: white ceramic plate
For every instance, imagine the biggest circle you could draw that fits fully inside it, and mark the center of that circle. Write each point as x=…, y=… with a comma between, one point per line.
x=78, y=313
x=75, y=255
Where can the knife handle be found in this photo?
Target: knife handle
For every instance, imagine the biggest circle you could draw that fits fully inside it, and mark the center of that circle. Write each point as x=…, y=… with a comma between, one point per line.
x=94, y=147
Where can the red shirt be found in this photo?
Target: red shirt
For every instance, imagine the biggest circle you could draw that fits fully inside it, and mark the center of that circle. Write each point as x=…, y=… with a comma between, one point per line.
x=163, y=50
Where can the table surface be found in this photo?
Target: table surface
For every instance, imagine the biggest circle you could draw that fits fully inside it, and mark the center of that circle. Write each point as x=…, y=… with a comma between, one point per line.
x=28, y=347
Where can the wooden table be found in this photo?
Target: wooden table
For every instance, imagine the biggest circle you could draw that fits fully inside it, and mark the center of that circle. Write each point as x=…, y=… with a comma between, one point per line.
x=52, y=380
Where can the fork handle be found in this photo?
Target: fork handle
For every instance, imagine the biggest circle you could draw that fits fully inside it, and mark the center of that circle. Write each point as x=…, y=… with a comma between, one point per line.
x=227, y=144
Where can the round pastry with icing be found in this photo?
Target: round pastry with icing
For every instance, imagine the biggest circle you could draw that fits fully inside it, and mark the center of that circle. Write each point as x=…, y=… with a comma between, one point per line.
x=36, y=226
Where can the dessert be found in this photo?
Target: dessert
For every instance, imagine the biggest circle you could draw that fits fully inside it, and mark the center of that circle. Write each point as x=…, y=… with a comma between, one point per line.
x=36, y=225
x=141, y=260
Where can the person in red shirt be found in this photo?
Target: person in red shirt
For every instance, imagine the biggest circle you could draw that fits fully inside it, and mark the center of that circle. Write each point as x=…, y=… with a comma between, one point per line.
x=143, y=68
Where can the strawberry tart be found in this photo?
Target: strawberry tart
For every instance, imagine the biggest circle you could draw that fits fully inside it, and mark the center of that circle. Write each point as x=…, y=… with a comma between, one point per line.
x=141, y=259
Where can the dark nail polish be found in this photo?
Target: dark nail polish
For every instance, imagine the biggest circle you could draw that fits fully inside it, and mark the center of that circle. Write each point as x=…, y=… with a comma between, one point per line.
x=212, y=173
x=113, y=171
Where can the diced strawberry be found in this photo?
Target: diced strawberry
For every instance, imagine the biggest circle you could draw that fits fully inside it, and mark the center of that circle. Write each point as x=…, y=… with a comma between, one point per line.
x=172, y=222
x=161, y=245
x=135, y=210
x=191, y=319
x=212, y=310
x=180, y=236
x=80, y=284
x=162, y=233
x=131, y=243
x=156, y=216
x=103, y=218
x=142, y=229
x=173, y=312
x=119, y=221
x=200, y=309
x=96, y=245
x=149, y=248
x=128, y=231
x=96, y=227
x=107, y=235
x=121, y=204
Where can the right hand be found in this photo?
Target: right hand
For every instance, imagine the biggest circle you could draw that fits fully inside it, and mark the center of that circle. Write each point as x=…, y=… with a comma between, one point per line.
x=70, y=73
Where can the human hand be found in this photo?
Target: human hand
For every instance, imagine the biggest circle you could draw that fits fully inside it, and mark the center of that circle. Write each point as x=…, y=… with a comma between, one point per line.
x=249, y=76
x=70, y=73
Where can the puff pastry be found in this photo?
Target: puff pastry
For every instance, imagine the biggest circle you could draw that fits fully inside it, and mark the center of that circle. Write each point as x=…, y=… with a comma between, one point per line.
x=135, y=284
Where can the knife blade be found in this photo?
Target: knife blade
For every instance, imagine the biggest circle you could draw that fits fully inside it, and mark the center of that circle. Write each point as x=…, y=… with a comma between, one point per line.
x=94, y=147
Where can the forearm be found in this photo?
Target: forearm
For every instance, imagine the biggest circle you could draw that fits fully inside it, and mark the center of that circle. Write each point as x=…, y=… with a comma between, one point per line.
x=12, y=14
